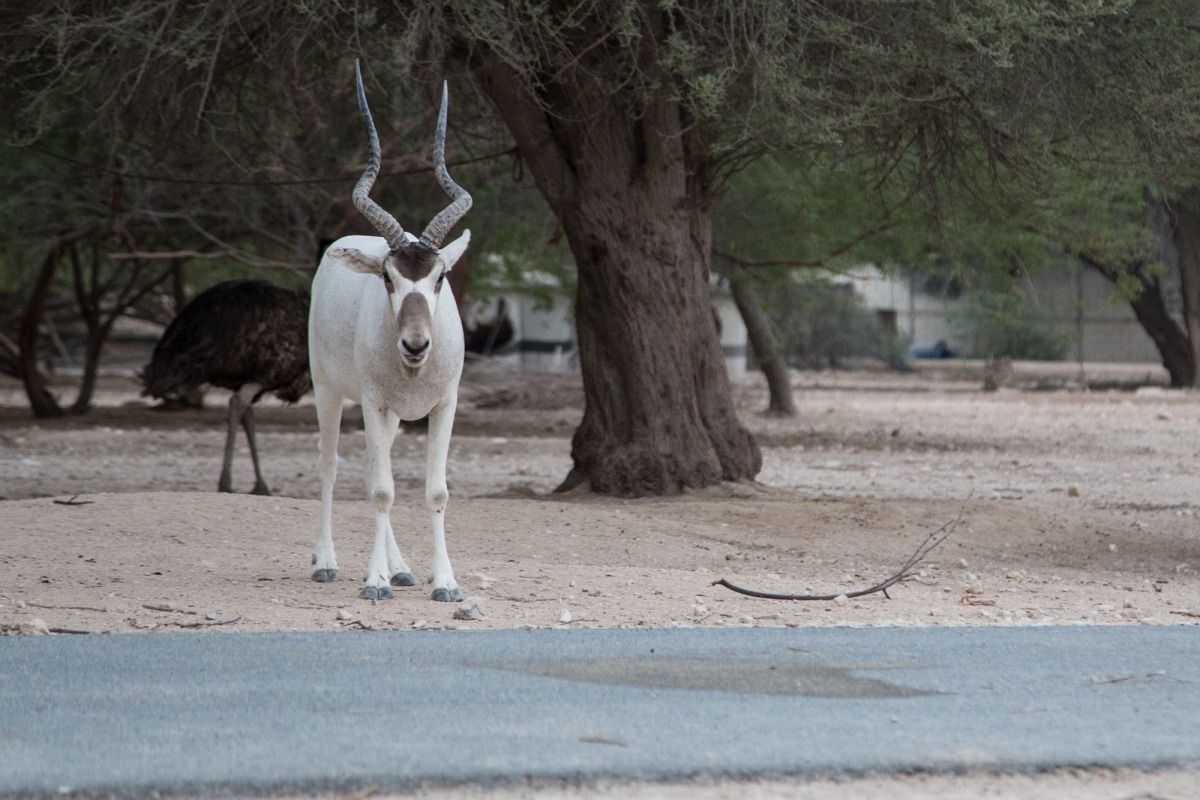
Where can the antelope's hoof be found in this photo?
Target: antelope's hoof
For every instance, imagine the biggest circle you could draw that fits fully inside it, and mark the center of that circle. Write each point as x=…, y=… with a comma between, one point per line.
x=403, y=579
x=261, y=489
x=376, y=593
x=448, y=595
x=325, y=575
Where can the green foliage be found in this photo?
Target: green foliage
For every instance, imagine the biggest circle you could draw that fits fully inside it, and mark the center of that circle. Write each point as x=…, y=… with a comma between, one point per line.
x=934, y=136
x=999, y=323
x=823, y=324
x=516, y=241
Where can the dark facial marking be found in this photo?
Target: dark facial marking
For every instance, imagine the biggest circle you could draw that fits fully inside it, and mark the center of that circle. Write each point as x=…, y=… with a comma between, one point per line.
x=414, y=260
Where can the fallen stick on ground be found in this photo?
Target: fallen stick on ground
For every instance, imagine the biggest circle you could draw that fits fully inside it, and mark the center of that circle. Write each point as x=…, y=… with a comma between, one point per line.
x=931, y=541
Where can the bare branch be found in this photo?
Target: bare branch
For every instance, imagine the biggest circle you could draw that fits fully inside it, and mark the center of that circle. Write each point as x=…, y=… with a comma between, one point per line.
x=168, y=255
x=841, y=249
x=934, y=539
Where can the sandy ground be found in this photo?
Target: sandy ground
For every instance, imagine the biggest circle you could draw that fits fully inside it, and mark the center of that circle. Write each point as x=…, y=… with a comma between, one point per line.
x=1073, y=506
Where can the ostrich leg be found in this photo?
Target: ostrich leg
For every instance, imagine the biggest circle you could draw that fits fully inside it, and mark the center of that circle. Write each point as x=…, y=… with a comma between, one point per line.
x=241, y=410
x=260, y=483
x=225, y=483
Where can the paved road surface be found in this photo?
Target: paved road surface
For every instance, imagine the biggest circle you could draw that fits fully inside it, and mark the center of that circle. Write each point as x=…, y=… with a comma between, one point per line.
x=308, y=711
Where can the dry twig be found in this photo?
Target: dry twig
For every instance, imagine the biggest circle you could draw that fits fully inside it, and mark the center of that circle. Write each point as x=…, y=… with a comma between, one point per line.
x=67, y=608
x=931, y=541
x=206, y=623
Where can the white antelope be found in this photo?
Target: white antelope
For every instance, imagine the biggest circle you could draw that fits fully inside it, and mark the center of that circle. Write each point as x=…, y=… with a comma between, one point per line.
x=384, y=332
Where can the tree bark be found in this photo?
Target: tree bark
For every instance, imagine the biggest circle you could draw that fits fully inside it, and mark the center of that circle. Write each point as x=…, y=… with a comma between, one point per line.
x=1174, y=349
x=87, y=299
x=41, y=402
x=635, y=207
x=770, y=360
x=1184, y=213
x=1150, y=308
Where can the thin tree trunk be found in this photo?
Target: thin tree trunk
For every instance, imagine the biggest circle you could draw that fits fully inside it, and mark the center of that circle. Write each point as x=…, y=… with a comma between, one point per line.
x=1150, y=308
x=766, y=350
x=88, y=301
x=41, y=402
x=1184, y=211
x=1174, y=349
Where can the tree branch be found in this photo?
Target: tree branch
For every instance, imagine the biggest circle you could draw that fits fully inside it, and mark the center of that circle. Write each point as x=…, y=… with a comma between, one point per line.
x=841, y=249
x=934, y=539
x=529, y=124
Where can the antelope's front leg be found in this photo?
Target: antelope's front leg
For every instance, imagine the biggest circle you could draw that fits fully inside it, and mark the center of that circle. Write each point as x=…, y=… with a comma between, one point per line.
x=386, y=566
x=437, y=495
x=329, y=417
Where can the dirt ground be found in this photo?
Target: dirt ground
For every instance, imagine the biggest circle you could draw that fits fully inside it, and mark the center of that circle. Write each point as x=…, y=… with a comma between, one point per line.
x=1074, y=505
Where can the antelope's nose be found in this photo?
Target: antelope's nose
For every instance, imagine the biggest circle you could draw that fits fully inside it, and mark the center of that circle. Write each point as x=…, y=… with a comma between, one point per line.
x=416, y=348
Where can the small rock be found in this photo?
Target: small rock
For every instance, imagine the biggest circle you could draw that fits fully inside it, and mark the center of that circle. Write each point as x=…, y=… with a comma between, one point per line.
x=699, y=610
x=419, y=624
x=565, y=616
x=841, y=600
x=1072, y=491
x=344, y=615
x=469, y=611
x=34, y=627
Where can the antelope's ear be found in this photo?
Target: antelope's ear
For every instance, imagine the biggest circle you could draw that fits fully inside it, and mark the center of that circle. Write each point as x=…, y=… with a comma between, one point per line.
x=452, y=252
x=356, y=260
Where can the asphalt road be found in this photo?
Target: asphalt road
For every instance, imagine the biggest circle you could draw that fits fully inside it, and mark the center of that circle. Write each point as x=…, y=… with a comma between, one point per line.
x=317, y=711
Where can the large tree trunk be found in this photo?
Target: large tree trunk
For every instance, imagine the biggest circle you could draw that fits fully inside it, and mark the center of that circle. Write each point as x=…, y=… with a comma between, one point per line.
x=635, y=206
x=659, y=413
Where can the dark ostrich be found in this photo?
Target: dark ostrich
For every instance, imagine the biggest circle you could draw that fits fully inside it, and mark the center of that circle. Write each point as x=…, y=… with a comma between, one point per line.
x=248, y=336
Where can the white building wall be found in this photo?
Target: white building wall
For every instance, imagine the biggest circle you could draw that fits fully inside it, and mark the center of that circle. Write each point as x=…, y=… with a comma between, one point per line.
x=734, y=339
x=544, y=332
x=1097, y=325
x=920, y=317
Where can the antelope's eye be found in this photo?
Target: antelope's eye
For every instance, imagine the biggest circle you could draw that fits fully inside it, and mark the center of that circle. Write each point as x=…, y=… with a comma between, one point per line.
x=441, y=279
